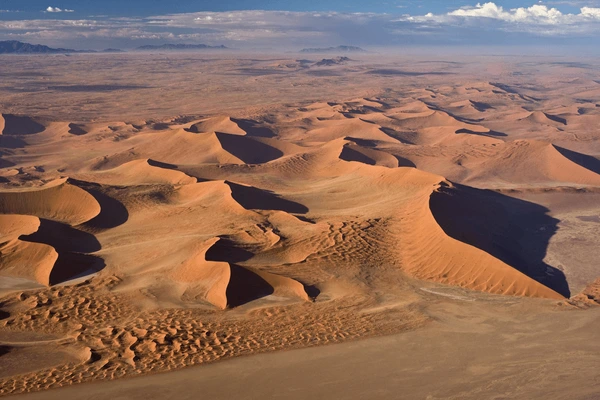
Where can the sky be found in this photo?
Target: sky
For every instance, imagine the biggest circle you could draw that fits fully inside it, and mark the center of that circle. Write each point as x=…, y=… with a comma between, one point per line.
x=289, y=24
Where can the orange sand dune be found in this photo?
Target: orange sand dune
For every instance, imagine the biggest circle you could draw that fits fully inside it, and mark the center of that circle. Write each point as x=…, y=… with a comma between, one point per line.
x=13, y=226
x=139, y=172
x=450, y=261
x=334, y=203
x=353, y=127
x=21, y=259
x=221, y=124
x=31, y=261
x=527, y=161
x=57, y=200
x=354, y=152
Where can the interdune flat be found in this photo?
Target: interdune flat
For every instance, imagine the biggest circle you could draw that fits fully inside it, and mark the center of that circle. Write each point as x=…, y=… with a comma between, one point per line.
x=459, y=204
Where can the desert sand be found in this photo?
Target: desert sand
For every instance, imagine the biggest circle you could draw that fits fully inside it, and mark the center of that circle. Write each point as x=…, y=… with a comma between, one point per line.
x=199, y=208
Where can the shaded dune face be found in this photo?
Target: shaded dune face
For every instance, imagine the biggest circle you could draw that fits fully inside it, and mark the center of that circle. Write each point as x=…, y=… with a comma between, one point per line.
x=19, y=125
x=55, y=249
x=514, y=231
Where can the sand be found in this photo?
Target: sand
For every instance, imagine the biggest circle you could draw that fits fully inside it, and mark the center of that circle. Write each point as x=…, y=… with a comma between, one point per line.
x=402, y=209
x=512, y=360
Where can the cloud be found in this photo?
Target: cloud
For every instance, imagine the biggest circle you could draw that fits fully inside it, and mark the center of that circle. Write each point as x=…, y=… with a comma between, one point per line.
x=536, y=14
x=537, y=19
x=51, y=9
x=591, y=12
x=479, y=24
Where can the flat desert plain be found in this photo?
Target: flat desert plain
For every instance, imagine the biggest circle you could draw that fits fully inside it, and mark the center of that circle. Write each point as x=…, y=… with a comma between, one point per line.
x=434, y=220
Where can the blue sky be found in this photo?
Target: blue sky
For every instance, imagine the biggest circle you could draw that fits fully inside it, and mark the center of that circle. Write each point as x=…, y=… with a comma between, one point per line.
x=289, y=24
x=31, y=8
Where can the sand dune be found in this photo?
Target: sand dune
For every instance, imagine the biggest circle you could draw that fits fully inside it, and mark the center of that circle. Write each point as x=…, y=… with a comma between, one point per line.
x=221, y=124
x=533, y=161
x=539, y=117
x=322, y=208
x=354, y=127
x=32, y=261
x=139, y=172
x=13, y=226
x=355, y=152
x=203, y=279
x=57, y=200
x=453, y=262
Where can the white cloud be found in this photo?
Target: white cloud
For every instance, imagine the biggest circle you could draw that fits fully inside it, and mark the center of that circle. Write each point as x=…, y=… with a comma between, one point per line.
x=537, y=19
x=536, y=14
x=481, y=24
x=51, y=9
x=591, y=12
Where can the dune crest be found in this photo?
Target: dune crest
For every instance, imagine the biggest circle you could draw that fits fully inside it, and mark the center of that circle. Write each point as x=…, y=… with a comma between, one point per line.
x=219, y=124
x=57, y=200
x=139, y=172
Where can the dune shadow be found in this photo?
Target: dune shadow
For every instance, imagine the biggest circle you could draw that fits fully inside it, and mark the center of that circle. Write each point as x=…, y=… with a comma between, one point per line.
x=252, y=128
x=480, y=106
x=464, y=120
x=161, y=126
x=405, y=162
x=509, y=89
x=70, y=266
x=402, y=137
x=11, y=142
x=406, y=73
x=513, y=230
x=70, y=243
x=19, y=125
x=4, y=163
x=252, y=198
x=245, y=286
x=487, y=134
x=63, y=237
x=94, y=88
x=112, y=212
x=305, y=219
x=323, y=72
x=361, y=142
x=160, y=164
x=226, y=250
x=259, y=72
x=4, y=350
x=247, y=149
x=312, y=291
x=77, y=130
x=556, y=118
x=350, y=154
x=588, y=162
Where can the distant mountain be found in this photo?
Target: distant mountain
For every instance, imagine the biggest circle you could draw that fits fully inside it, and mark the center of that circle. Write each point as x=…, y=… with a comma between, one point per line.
x=179, y=46
x=328, y=62
x=113, y=51
x=339, y=49
x=16, y=47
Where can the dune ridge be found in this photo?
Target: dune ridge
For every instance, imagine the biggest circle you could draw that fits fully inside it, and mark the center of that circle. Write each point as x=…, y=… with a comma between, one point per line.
x=57, y=200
